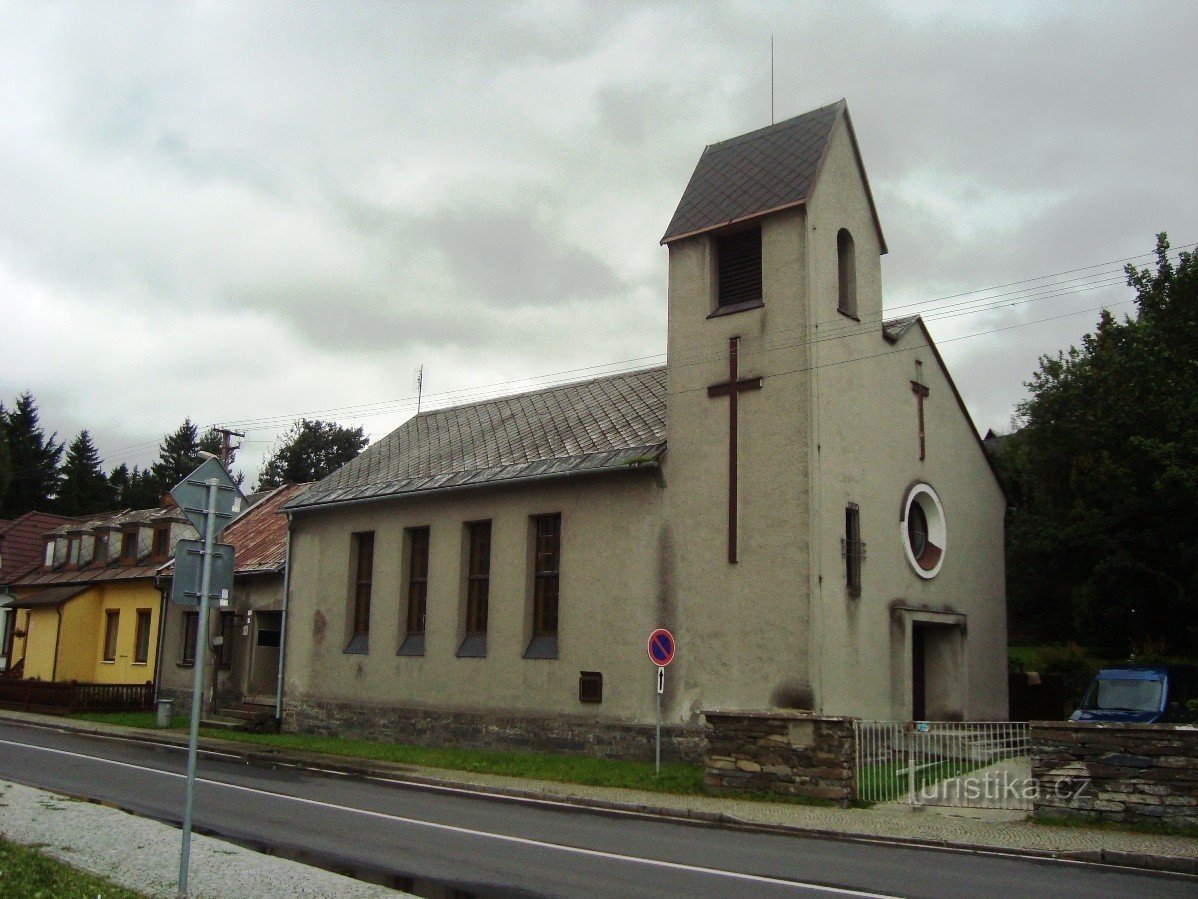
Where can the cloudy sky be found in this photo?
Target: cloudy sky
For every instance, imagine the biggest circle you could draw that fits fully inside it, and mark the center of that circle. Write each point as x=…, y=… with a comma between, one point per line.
x=245, y=212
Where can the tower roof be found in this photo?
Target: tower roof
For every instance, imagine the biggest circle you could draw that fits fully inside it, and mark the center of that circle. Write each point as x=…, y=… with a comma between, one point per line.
x=760, y=172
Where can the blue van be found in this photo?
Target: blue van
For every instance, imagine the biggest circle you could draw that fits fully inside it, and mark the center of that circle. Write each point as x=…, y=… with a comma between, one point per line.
x=1139, y=695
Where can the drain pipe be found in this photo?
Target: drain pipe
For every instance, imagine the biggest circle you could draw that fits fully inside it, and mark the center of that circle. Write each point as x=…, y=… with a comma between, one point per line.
x=283, y=624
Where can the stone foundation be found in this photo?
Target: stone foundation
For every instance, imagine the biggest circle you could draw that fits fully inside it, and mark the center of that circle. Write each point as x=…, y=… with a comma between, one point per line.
x=1129, y=773
x=567, y=735
x=784, y=752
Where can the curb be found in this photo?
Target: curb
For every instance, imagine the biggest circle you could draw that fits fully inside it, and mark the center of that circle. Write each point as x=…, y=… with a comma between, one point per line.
x=409, y=775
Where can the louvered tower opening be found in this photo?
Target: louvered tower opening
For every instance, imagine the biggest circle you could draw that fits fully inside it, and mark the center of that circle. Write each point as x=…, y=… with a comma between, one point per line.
x=739, y=259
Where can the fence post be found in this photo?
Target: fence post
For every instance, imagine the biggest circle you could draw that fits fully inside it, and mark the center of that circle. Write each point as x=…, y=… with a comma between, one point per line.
x=910, y=747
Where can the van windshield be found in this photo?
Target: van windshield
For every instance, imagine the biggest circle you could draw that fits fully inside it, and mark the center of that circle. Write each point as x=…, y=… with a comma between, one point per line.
x=1125, y=695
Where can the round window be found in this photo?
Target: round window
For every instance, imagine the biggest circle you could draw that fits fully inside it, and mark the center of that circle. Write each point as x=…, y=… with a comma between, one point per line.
x=924, y=530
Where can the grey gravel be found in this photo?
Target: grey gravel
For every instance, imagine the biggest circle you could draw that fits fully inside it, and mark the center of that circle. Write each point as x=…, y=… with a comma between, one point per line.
x=143, y=855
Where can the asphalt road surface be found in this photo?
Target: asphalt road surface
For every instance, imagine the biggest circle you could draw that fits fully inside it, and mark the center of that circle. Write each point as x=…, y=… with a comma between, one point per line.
x=491, y=847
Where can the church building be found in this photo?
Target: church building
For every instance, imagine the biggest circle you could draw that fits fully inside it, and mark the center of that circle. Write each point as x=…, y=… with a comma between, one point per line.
x=798, y=495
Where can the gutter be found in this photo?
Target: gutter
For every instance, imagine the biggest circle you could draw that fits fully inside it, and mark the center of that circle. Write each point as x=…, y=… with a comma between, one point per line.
x=616, y=469
x=283, y=623
x=57, y=640
x=162, y=610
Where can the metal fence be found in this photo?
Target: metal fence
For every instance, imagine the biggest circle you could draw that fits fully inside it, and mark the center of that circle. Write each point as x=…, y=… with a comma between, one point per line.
x=67, y=697
x=974, y=764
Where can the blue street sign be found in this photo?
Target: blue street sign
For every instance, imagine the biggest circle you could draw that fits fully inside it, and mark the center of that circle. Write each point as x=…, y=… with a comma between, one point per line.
x=661, y=647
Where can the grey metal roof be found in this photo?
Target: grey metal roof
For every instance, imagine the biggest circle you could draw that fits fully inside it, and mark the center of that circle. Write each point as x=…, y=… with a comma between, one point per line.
x=764, y=170
x=894, y=329
x=614, y=422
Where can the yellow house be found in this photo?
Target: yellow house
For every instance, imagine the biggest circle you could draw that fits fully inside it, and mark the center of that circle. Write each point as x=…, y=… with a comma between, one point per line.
x=92, y=612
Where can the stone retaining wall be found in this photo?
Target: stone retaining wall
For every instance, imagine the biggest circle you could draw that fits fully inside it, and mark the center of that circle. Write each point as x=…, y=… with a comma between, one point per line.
x=1118, y=772
x=785, y=752
x=492, y=730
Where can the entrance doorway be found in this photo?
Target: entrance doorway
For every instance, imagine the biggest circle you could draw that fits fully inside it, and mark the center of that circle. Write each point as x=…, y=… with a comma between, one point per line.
x=264, y=664
x=937, y=672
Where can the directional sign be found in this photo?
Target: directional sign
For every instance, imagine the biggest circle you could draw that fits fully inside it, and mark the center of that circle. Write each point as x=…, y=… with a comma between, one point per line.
x=661, y=680
x=189, y=560
x=661, y=647
x=191, y=494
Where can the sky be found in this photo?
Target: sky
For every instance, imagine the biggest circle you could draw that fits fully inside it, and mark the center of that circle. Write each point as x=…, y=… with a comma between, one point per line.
x=244, y=213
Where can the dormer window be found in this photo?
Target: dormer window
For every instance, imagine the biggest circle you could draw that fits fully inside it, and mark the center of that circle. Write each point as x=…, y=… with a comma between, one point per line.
x=73, y=551
x=846, y=274
x=738, y=260
x=129, y=546
x=100, y=549
x=162, y=542
x=48, y=560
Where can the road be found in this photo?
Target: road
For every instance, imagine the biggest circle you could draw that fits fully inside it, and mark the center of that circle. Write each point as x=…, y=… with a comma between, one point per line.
x=490, y=847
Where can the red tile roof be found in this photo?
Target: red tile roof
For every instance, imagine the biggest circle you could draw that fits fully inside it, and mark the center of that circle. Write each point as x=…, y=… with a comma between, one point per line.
x=22, y=543
x=259, y=537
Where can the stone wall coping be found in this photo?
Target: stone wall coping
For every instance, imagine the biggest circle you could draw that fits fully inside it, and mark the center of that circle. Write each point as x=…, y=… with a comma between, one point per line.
x=777, y=714
x=1115, y=726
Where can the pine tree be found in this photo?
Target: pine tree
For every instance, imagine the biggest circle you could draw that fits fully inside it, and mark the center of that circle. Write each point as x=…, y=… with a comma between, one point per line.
x=84, y=490
x=178, y=456
x=5, y=460
x=33, y=458
x=134, y=490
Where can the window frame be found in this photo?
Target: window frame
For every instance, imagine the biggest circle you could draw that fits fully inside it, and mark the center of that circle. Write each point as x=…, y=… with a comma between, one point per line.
x=416, y=612
x=129, y=538
x=478, y=577
x=112, y=630
x=846, y=274
x=99, y=549
x=190, y=639
x=226, y=625
x=852, y=549
x=74, y=550
x=49, y=553
x=739, y=274
x=546, y=577
x=142, y=636
x=361, y=584
x=161, y=532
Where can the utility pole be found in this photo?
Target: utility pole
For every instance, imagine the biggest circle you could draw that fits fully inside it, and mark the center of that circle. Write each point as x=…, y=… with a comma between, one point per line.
x=227, y=450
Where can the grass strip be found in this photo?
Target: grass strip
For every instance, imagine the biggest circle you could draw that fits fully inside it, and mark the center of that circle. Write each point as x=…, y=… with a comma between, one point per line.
x=593, y=772
x=26, y=873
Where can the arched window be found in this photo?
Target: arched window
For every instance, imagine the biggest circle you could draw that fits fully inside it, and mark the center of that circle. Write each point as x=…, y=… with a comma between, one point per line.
x=846, y=271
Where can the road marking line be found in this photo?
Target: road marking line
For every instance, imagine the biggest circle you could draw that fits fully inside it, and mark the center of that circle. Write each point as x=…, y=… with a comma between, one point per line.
x=524, y=841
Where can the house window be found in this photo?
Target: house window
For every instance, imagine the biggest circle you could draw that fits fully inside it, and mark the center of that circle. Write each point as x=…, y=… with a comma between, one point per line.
x=545, y=575
x=141, y=648
x=363, y=573
x=48, y=559
x=112, y=619
x=590, y=686
x=924, y=531
x=852, y=549
x=738, y=257
x=417, y=544
x=129, y=546
x=162, y=543
x=187, y=652
x=846, y=274
x=224, y=650
x=73, y=551
x=478, y=577
x=100, y=550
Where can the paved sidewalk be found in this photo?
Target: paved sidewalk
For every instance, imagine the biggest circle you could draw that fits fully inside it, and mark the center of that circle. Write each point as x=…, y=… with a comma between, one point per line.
x=977, y=829
x=146, y=856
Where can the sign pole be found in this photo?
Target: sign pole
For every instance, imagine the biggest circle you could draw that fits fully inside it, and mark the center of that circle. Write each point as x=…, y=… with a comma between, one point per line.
x=661, y=683
x=197, y=685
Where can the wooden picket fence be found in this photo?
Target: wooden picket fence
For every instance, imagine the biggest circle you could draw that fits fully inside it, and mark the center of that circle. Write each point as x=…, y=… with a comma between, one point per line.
x=65, y=698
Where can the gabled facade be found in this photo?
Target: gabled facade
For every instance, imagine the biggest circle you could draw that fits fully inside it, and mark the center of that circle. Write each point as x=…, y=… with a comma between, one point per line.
x=21, y=550
x=799, y=495
x=91, y=610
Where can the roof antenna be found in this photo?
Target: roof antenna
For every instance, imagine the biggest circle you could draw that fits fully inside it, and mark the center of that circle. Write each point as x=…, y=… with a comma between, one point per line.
x=418, y=378
x=771, y=79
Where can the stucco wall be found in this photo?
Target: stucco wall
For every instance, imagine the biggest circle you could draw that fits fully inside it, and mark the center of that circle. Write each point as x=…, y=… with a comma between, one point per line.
x=742, y=628
x=609, y=583
x=867, y=439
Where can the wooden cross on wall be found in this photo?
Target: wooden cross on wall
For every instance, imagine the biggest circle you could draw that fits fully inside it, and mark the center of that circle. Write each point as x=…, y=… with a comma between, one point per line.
x=732, y=388
x=921, y=393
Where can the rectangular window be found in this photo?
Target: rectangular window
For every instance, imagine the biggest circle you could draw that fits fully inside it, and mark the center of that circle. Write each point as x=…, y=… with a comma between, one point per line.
x=48, y=559
x=162, y=543
x=73, y=551
x=590, y=686
x=738, y=257
x=478, y=577
x=141, y=649
x=852, y=549
x=546, y=562
x=100, y=550
x=112, y=619
x=129, y=546
x=363, y=574
x=417, y=579
x=191, y=625
x=224, y=652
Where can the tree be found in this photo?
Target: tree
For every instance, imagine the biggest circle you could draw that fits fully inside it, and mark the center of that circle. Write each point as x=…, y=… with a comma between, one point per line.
x=134, y=490
x=84, y=490
x=1104, y=546
x=33, y=458
x=309, y=451
x=5, y=460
